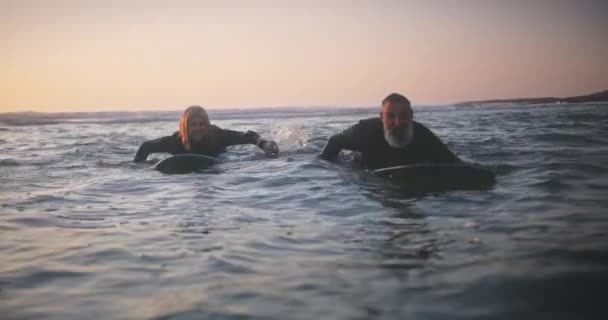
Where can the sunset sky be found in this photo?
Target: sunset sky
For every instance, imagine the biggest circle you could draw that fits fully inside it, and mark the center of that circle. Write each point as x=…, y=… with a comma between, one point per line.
x=166, y=55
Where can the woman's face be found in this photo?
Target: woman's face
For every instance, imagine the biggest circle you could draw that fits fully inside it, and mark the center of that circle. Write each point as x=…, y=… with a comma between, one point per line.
x=196, y=127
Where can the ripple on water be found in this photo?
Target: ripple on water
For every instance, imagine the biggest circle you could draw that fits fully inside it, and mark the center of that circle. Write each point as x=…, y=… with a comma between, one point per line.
x=575, y=166
x=530, y=295
x=552, y=185
x=33, y=220
x=9, y=163
x=83, y=228
x=33, y=277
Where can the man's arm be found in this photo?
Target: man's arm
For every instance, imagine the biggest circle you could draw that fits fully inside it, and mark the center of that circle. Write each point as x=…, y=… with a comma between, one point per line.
x=346, y=139
x=164, y=144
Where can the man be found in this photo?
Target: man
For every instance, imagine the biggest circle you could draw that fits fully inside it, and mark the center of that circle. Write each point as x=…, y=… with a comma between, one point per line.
x=392, y=139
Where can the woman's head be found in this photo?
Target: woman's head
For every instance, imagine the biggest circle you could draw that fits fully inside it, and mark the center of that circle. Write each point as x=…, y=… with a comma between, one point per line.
x=192, y=125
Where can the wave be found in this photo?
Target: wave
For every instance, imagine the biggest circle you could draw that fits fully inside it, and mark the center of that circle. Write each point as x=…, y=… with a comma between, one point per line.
x=551, y=184
x=563, y=137
x=39, y=118
x=8, y=163
x=502, y=169
x=581, y=167
x=35, y=119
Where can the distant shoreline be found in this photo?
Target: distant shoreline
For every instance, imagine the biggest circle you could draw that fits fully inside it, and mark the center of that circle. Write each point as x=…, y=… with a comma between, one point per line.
x=601, y=96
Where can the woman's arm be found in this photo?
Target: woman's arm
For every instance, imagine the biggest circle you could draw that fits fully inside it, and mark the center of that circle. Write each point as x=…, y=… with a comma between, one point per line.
x=164, y=144
x=231, y=137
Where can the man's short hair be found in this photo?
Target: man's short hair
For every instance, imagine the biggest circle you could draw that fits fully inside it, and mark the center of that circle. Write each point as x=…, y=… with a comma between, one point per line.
x=396, y=98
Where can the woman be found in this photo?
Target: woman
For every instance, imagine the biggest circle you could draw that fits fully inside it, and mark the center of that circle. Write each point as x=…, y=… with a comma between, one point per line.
x=197, y=135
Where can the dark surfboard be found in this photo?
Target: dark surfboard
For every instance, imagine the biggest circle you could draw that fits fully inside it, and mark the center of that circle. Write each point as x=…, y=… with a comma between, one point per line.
x=460, y=176
x=185, y=163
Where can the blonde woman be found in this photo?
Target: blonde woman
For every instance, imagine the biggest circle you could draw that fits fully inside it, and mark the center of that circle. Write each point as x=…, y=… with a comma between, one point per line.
x=197, y=135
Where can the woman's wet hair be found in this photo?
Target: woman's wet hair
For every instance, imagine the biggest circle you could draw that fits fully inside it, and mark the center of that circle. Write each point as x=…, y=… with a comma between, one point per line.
x=184, y=123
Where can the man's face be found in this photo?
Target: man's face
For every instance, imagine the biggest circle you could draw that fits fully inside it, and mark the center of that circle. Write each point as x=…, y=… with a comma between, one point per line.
x=397, y=122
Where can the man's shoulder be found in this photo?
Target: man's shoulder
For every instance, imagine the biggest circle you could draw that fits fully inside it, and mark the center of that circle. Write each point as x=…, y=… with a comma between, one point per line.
x=365, y=127
x=370, y=121
x=423, y=133
x=420, y=127
x=369, y=124
x=418, y=124
x=359, y=133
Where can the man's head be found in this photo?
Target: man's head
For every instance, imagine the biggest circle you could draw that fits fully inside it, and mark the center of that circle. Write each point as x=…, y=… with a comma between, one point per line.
x=397, y=119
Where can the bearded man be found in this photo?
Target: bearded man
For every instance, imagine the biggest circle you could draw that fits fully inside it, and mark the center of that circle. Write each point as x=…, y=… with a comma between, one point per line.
x=393, y=139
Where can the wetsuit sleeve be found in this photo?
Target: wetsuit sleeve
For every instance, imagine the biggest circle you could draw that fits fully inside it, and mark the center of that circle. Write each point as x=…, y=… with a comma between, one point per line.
x=347, y=139
x=230, y=137
x=164, y=144
x=437, y=150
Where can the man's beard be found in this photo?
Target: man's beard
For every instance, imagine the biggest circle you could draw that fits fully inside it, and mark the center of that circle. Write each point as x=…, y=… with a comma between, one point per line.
x=400, y=138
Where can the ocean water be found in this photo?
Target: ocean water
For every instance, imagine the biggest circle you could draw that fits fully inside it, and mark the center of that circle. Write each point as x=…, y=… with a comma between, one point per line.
x=85, y=232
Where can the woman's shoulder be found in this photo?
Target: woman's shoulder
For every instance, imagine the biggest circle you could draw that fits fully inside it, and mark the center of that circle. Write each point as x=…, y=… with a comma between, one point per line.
x=175, y=137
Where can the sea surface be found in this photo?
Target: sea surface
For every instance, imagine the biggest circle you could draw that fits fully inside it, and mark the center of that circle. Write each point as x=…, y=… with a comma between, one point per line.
x=87, y=233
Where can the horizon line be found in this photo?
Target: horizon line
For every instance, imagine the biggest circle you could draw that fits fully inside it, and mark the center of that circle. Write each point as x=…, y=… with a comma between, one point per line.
x=236, y=108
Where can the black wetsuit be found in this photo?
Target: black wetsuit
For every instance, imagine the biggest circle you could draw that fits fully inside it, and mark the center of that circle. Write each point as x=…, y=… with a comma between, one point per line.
x=367, y=137
x=213, y=143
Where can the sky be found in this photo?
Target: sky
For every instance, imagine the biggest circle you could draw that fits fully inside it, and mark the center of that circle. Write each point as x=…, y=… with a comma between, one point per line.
x=58, y=56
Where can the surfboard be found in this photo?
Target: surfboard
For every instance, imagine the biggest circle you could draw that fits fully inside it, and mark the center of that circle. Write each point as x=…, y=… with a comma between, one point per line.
x=185, y=163
x=462, y=176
